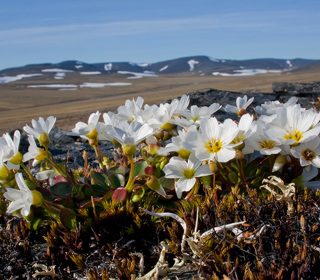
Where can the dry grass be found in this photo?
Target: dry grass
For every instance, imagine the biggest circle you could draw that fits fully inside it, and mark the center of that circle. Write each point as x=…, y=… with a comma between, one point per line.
x=19, y=104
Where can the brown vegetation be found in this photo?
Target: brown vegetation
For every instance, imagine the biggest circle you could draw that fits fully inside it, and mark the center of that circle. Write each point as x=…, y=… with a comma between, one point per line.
x=19, y=104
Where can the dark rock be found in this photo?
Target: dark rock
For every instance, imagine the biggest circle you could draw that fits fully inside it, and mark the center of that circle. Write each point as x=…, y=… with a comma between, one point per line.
x=297, y=89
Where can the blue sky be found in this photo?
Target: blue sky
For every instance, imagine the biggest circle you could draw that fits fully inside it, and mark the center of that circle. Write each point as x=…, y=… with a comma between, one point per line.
x=41, y=31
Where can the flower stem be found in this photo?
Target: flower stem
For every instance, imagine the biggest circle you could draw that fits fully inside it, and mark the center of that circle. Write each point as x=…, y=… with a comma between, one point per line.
x=214, y=188
x=58, y=169
x=243, y=174
x=143, y=153
x=29, y=174
x=129, y=185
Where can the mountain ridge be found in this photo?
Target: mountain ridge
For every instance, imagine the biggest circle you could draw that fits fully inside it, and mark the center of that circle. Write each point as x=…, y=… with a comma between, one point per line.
x=199, y=65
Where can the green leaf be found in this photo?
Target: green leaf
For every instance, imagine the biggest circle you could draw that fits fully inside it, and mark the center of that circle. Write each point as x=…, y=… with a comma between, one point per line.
x=116, y=180
x=118, y=170
x=100, y=178
x=167, y=184
x=139, y=168
x=35, y=223
x=68, y=218
x=61, y=189
x=99, y=190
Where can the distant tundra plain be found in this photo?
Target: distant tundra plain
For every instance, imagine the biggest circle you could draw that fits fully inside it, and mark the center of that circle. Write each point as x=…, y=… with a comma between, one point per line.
x=29, y=98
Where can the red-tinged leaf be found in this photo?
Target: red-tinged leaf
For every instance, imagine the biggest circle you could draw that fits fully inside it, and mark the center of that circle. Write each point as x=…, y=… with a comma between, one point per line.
x=59, y=179
x=119, y=194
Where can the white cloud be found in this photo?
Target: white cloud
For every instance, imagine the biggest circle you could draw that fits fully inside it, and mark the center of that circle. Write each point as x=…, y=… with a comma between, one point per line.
x=245, y=21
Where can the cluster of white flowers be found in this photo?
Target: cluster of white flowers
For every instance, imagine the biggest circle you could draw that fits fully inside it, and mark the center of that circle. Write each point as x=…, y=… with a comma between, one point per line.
x=197, y=137
x=285, y=129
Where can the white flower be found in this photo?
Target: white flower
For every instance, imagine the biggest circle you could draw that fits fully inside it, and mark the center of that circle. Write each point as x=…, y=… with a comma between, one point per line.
x=246, y=129
x=21, y=199
x=241, y=105
x=214, y=140
x=181, y=105
x=270, y=107
x=47, y=175
x=34, y=152
x=308, y=153
x=195, y=115
x=178, y=143
x=40, y=127
x=84, y=130
x=130, y=109
x=295, y=125
x=10, y=147
x=186, y=172
x=157, y=117
x=265, y=143
x=130, y=133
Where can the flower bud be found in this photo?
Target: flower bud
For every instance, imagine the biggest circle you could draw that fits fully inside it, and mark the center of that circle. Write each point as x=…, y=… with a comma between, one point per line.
x=279, y=163
x=183, y=153
x=213, y=166
x=129, y=150
x=152, y=149
x=17, y=158
x=116, y=143
x=37, y=198
x=42, y=155
x=168, y=126
x=93, y=134
x=4, y=173
x=154, y=184
x=152, y=170
x=44, y=140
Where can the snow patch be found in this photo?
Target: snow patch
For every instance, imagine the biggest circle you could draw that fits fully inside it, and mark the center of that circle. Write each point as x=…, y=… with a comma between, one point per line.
x=53, y=70
x=78, y=66
x=163, y=68
x=108, y=66
x=138, y=75
x=139, y=64
x=214, y=59
x=246, y=72
x=8, y=79
x=59, y=75
x=191, y=63
x=91, y=73
x=100, y=85
x=53, y=86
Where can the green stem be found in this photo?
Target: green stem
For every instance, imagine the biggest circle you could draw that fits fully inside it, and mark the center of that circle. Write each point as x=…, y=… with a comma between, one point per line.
x=57, y=167
x=31, y=178
x=99, y=156
x=243, y=174
x=143, y=153
x=129, y=185
x=214, y=189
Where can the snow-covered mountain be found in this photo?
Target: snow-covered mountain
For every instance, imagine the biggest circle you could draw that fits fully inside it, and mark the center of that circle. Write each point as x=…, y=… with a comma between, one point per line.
x=196, y=65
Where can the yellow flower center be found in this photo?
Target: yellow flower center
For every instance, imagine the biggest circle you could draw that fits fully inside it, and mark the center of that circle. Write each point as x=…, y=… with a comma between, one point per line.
x=213, y=146
x=308, y=154
x=183, y=153
x=195, y=119
x=189, y=173
x=238, y=138
x=295, y=135
x=267, y=144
